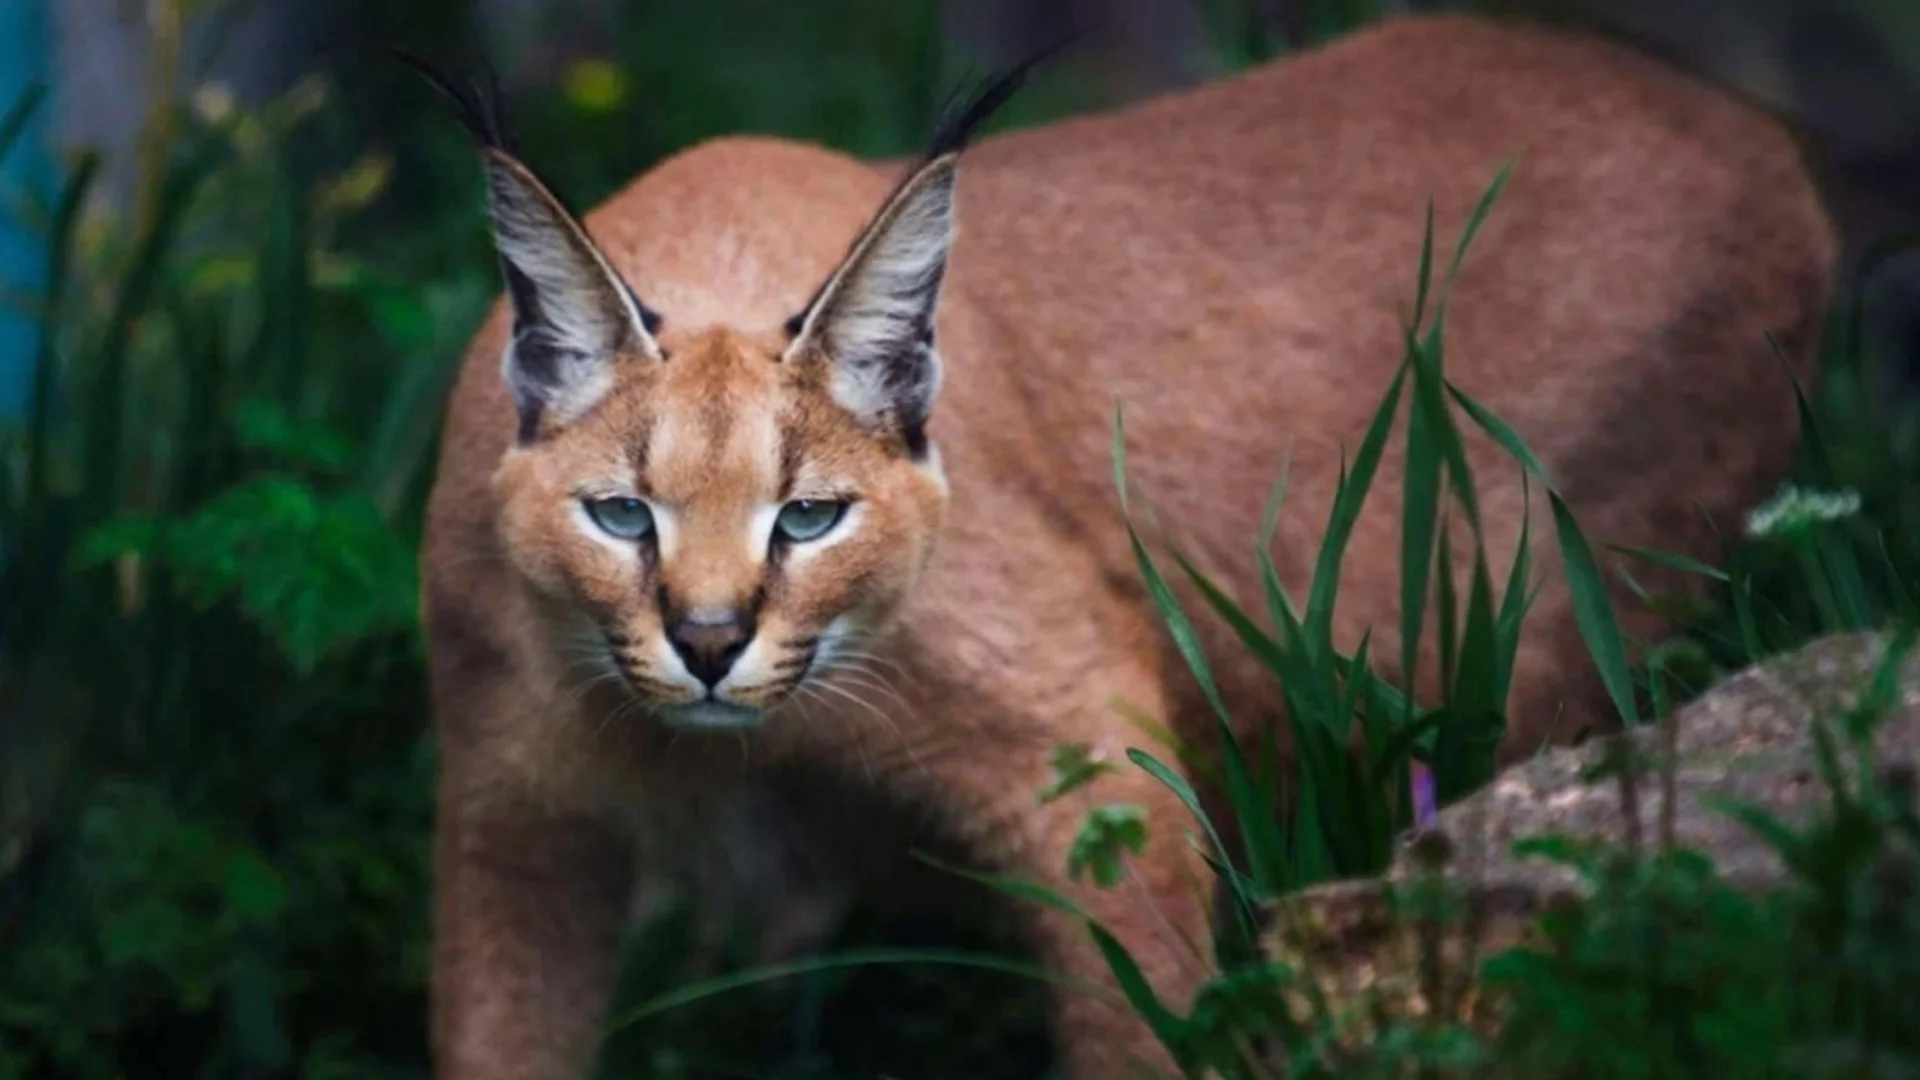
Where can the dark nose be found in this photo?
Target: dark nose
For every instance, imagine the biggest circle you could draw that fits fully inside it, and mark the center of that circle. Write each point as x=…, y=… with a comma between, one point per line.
x=709, y=643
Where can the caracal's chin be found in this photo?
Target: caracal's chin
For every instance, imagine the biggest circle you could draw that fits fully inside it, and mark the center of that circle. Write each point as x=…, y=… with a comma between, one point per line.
x=711, y=714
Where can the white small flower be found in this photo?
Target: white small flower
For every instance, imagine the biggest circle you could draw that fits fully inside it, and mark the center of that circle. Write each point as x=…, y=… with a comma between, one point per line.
x=213, y=102
x=1793, y=510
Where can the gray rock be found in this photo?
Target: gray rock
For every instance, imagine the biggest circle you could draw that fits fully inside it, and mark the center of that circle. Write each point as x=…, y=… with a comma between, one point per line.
x=1749, y=738
x=1359, y=961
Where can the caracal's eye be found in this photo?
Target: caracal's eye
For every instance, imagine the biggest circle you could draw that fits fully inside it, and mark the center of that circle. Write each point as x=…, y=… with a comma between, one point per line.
x=808, y=519
x=623, y=518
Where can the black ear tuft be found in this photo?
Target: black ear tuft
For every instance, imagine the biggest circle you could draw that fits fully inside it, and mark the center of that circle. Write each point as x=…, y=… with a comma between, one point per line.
x=969, y=108
x=574, y=315
x=481, y=110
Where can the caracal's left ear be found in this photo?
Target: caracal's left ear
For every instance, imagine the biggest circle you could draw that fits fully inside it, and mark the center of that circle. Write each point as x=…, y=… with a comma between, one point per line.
x=574, y=317
x=873, y=319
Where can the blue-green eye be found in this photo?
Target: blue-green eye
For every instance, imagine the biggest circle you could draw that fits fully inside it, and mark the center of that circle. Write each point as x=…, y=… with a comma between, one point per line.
x=808, y=519
x=623, y=518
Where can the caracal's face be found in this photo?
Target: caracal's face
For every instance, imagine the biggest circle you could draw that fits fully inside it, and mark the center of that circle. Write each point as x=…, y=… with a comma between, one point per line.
x=717, y=517
x=718, y=530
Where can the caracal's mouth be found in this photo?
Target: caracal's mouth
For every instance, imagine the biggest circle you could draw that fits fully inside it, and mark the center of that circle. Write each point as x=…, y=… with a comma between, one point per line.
x=711, y=714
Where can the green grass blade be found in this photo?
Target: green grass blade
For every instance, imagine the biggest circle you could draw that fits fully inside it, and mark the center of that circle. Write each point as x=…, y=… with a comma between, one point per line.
x=1264, y=647
x=1167, y=1027
x=1186, y=639
x=1672, y=561
x=1183, y=791
x=1263, y=860
x=1406, y=740
x=1447, y=612
x=1396, y=702
x=1464, y=749
x=1425, y=278
x=105, y=420
x=1893, y=577
x=1368, y=832
x=1429, y=383
x=1813, y=439
x=1500, y=433
x=1420, y=510
x=1133, y=983
x=1849, y=584
x=686, y=995
x=1017, y=888
x=1348, y=501
x=1592, y=606
x=1473, y=691
x=1476, y=219
x=1593, y=610
x=1517, y=598
x=30, y=575
x=1741, y=591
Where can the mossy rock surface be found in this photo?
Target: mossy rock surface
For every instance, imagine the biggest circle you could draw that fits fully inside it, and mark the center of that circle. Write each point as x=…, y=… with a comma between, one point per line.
x=1371, y=953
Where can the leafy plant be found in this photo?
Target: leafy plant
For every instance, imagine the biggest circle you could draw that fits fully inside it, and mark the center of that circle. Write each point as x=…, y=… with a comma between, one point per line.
x=213, y=819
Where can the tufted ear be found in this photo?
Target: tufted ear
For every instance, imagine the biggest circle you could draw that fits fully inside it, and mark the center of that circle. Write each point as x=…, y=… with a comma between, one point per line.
x=574, y=318
x=873, y=319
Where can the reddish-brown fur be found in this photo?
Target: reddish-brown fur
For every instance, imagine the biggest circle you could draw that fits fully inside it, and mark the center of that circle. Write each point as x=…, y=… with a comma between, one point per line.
x=1232, y=266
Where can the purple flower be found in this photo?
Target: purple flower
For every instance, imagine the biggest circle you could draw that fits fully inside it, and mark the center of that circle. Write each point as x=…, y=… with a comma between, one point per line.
x=1424, y=806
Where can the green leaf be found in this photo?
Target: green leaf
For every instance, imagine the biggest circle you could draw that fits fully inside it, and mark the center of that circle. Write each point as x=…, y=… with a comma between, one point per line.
x=1017, y=888
x=1240, y=787
x=1813, y=439
x=1168, y=1028
x=1105, y=836
x=1672, y=561
x=850, y=958
x=1592, y=605
x=1517, y=599
x=1348, y=500
x=254, y=889
x=1479, y=216
x=266, y=429
x=1219, y=857
x=1429, y=384
x=1593, y=611
x=1185, y=638
x=1238, y=1007
x=1423, y=278
x=1182, y=790
x=1500, y=433
x=1420, y=511
x=1074, y=767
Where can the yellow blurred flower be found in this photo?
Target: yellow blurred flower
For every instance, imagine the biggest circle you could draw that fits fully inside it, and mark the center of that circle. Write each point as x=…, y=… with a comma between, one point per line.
x=594, y=85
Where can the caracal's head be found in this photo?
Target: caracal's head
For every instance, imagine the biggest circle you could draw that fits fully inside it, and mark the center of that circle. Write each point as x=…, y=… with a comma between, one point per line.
x=720, y=514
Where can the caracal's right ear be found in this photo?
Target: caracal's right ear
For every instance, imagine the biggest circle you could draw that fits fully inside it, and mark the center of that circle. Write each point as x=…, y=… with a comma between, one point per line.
x=574, y=318
x=872, y=322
